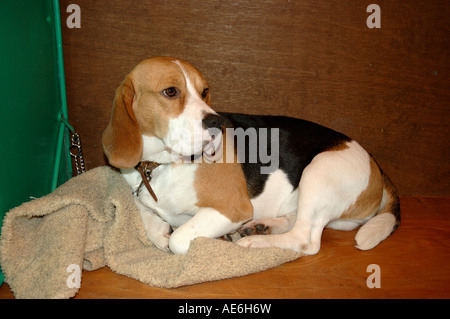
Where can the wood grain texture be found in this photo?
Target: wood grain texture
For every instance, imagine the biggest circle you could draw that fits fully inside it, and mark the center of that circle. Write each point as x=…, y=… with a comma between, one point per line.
x=387, y=88
x=414, y=263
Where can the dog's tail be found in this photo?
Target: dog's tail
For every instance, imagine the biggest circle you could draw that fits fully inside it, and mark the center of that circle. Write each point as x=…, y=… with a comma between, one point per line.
x=385, y=222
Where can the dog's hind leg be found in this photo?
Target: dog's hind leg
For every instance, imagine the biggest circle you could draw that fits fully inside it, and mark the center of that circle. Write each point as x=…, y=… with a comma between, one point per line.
x=305, y=233
x=329, y=185
x=304, y=236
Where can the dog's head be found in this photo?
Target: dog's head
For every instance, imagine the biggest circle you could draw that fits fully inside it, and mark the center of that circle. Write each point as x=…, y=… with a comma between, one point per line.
x=161, y=111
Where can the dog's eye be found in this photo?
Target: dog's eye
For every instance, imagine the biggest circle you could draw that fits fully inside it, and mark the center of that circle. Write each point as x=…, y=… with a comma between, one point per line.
x=170, y=92
x=205, y=93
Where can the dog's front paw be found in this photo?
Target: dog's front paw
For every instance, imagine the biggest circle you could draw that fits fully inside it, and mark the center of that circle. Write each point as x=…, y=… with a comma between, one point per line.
x=160, y=238
x=162, y=242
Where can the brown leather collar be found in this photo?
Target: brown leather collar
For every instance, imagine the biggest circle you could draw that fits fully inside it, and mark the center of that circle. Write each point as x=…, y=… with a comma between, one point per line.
x=146, y=168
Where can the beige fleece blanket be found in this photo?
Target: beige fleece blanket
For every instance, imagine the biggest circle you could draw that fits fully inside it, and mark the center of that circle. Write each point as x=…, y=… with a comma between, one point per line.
x=91, y=222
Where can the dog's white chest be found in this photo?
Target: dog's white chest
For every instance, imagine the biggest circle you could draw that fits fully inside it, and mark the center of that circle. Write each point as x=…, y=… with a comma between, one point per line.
x=174, y=188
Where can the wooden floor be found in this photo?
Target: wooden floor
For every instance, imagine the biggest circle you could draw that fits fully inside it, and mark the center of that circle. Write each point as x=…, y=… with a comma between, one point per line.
x=414, y=263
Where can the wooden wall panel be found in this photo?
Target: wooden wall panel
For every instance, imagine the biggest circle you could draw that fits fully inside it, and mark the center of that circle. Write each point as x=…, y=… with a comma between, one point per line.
x=388, y=88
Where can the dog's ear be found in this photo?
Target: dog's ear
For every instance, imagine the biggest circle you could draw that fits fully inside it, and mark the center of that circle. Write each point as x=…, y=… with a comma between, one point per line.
x=122, y=139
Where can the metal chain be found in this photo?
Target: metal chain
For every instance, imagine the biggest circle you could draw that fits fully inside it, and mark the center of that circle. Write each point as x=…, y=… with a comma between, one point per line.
x=76, y=153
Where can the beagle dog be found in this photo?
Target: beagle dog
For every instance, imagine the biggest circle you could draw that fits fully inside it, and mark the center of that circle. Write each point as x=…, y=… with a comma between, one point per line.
x=278, y=180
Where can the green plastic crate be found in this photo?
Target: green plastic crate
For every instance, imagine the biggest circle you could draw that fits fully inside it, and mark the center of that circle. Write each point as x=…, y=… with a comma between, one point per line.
x=34, y=141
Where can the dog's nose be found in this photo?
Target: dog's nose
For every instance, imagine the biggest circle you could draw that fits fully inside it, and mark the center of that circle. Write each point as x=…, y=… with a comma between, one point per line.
x=213, y=121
